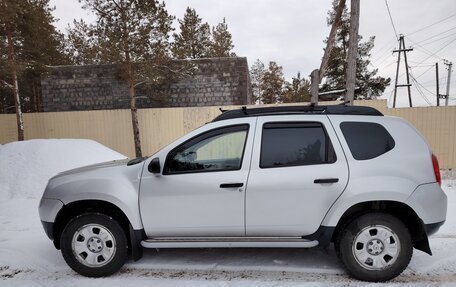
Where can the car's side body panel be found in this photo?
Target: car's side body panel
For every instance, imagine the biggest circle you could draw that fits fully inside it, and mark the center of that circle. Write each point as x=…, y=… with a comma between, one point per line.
x=285, y=201
x=392, y=176
x=115, y=183
x=194, y=204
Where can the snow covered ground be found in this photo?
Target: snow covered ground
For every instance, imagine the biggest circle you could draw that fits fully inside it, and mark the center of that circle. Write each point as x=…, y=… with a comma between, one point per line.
x=28, y=258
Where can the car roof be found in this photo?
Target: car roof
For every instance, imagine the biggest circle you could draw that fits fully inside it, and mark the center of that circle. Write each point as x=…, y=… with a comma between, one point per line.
x=295, y=110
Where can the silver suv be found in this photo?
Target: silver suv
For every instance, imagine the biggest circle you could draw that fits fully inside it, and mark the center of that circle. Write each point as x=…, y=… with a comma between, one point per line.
x=292, y=177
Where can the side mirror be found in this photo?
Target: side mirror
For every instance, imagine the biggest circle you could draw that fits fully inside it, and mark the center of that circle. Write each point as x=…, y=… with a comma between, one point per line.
x=154, y=165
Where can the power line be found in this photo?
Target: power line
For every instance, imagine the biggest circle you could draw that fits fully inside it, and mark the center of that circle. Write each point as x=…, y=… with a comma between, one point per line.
x=418, y=88
x=442, y=78
x=439, y=39
x=383, y=56
x=421, y=66
x=435, y=35
x=443, y=47
x=430, y=25
x=388, y=46
x=425, y=71
x=393, y=62
x=423, y=87
x=379, y=64
x=391, y=18
x=424, y=49
x=420, y=62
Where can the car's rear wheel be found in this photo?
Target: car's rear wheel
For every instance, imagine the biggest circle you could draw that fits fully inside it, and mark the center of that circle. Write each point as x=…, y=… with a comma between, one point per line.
x=375, y=247
x=94, y=245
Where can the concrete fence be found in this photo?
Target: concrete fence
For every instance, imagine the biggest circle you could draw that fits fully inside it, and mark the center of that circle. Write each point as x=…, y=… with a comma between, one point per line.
x=160, y=127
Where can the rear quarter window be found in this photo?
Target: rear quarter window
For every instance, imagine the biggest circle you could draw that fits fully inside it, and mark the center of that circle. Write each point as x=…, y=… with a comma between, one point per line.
x=367, y=140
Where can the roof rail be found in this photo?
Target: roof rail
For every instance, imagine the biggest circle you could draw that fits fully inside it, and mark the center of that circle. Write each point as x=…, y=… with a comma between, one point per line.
x=293, y=110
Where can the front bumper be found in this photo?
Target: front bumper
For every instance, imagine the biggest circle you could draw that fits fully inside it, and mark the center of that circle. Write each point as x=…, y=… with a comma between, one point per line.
x=48, y=210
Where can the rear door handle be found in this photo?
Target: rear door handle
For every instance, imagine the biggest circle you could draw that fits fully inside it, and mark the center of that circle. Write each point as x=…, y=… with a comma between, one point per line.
x=326, y=180
x=231, y=185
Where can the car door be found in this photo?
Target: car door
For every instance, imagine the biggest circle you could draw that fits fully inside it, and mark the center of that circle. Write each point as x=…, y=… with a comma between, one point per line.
x=201, y=188
x=298, y=171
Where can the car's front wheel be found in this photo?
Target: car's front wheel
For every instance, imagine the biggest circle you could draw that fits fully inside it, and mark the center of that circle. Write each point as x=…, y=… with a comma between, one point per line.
x=375, y=247
x=94, y=245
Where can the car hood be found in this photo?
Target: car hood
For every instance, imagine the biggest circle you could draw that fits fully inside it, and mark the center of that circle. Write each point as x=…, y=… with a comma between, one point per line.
x=102, y=165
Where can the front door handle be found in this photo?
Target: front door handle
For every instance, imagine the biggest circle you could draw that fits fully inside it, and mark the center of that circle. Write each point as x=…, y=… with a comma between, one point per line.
x=326, y=180
x=231, y=185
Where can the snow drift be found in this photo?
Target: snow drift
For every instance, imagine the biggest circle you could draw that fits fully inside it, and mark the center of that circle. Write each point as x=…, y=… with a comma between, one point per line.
x=25, y=167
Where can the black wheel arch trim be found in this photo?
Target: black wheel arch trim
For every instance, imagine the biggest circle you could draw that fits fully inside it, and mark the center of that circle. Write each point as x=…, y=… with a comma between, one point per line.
x=323, y=235
x=53, y=229
x=136, y=236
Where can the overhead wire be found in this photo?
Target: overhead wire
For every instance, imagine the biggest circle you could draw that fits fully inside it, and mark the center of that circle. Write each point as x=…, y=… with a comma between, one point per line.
x=425, y=71
x=420, y=86
x=391, y=18
x=417, y=85
x=434, y=53
x=384, y=50
x=424, y=49
x=437, y=40
x=430, y=25
x=435, y=35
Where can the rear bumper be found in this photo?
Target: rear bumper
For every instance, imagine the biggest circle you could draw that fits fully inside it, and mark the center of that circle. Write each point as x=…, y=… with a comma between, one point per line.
x=430, y=204
x=433, y=227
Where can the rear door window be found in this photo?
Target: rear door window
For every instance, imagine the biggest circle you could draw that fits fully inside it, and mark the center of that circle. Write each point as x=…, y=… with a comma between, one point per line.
x=295, y=143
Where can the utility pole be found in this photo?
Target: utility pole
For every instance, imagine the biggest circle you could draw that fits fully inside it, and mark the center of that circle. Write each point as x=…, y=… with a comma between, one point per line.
x=350, y=77
x=317, y=74
x=331, y=39
x=402, y=49
x=437, y=86
x=449, y=66
x=314, y=82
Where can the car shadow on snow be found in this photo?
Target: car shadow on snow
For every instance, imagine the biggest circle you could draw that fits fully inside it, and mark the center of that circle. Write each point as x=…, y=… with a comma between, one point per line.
x=317, y=260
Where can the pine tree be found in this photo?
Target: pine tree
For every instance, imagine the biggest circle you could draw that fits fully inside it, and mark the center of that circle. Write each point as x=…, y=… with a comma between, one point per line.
x=81, y=44
x=36, y=44
x=42, y=46
x=133, y=34
x=10, y=12
x=368, y=84
x=297, y=91
x=222, y=44
x=30, y=42
x=194, y=38
x=272, y=84
x=256, y=76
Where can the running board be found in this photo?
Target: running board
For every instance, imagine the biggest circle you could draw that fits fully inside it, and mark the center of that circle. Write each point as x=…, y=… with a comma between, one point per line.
x=228, y=242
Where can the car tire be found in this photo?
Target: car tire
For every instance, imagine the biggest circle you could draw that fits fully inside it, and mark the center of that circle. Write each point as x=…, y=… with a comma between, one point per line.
x=94, y=245
x=375, y=247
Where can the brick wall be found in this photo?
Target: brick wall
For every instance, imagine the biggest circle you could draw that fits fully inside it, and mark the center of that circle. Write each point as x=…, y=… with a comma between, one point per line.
x=216, y=82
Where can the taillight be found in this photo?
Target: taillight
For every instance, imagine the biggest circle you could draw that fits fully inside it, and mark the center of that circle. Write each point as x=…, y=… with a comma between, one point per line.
x=435, y=164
